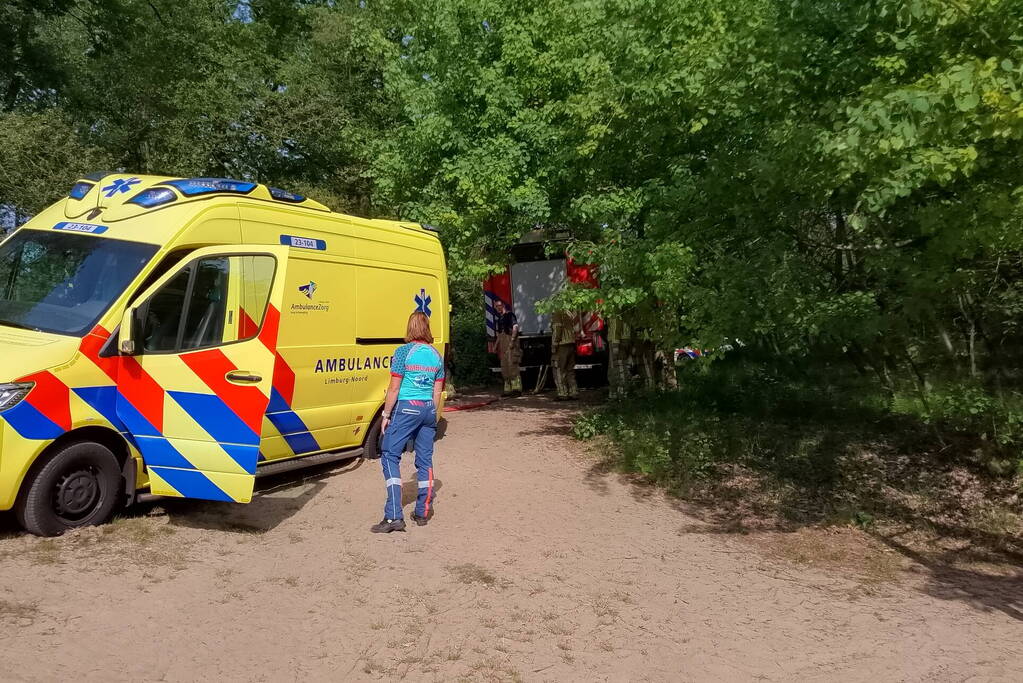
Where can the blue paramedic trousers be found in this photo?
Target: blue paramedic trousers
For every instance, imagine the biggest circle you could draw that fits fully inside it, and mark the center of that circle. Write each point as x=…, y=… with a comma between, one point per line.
x=415, y=420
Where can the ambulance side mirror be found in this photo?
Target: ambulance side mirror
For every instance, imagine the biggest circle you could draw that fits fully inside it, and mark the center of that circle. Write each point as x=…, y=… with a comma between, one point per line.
x=131, y=330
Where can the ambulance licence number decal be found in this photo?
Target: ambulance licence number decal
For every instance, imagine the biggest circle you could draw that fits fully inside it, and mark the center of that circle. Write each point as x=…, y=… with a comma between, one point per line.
x=80, y=227
x=303, y=243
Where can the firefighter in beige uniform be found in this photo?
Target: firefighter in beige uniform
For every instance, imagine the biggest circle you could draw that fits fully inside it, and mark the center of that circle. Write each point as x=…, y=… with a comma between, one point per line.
x=619, y=336
x=508, y=349
x=563, y=335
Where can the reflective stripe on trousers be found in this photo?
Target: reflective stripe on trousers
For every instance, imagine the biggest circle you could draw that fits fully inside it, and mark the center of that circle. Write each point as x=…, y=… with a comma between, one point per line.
x=416, y=420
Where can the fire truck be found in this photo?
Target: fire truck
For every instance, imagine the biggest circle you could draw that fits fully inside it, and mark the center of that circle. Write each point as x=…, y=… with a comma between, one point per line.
x=531, y=276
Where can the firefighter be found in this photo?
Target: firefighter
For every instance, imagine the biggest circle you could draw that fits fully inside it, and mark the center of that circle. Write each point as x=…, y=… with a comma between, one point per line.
x=508, y=349
x=563, y=336
x=646, y=352
x=667, y=374
x=619, y=336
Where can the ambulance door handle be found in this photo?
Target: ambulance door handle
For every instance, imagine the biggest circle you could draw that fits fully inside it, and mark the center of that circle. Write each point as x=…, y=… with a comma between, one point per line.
x=240, y=377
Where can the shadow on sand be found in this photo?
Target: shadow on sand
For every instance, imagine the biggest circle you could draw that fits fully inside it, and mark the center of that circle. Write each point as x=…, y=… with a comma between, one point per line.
x=276, y=498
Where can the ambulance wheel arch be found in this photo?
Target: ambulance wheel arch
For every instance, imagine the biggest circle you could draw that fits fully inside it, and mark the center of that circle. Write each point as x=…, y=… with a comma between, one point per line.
x=371, y=448
x=77, y=480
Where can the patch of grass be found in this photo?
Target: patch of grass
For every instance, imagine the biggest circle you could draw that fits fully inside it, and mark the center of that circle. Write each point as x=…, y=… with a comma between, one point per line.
x=359, y=564
x=17, y=613
x=409, y=634
x=492, y=669
x=409, y=658
x=519, y=615
x=371, y=666
x=140, y=531
x=603, y=607
x=472, y=573
x=45, y=552
x=843, y=549
x=755, y=444
x=227, y=574
x=524, y=636
x=289, y=581
x=559, y=629
x=999, y=521
x=141, y=541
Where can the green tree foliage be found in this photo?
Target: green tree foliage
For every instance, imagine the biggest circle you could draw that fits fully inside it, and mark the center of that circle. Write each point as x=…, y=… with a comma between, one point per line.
x=284, y=92
x=803, y=176
x=809, y=177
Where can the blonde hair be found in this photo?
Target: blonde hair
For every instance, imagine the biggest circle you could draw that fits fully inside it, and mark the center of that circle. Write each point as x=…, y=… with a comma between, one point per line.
x=418, y=329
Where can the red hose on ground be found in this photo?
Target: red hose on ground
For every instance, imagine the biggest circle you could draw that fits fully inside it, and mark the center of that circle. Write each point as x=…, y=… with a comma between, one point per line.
x=469, y=406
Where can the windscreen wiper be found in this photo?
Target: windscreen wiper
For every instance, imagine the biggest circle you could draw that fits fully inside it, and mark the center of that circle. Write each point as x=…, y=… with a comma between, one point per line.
x=8, y=323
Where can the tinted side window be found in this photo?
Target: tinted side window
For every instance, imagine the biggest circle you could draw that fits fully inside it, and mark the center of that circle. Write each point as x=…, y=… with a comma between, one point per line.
x=163, y=314
x=207, y=305
x=214, y=301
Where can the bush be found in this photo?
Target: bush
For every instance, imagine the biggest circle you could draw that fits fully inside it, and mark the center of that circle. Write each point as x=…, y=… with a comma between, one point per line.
x=471, y=365
x=808, y=441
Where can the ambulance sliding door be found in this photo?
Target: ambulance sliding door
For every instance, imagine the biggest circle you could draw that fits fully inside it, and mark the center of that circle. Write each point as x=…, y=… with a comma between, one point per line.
x=310, y=409
x=386, y=298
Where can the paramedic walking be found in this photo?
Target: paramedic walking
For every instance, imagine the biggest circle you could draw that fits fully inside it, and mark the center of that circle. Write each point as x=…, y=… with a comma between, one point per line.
x=410, y=412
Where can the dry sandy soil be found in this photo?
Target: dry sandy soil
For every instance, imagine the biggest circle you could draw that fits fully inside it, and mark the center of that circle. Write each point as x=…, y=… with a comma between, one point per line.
x=538, y=566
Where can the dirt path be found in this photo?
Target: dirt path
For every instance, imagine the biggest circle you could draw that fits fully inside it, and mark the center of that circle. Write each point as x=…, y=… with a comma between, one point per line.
x=536, y=567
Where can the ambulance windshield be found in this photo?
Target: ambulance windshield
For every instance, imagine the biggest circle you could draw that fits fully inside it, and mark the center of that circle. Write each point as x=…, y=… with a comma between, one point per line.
x=62, y=282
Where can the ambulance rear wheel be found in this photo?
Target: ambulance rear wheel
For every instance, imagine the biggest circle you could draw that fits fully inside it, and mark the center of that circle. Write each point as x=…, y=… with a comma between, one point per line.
x=77, y=486
x=374, y=441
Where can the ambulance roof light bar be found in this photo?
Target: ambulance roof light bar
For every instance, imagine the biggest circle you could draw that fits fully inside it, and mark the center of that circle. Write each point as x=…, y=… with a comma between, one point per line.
x=194, y=187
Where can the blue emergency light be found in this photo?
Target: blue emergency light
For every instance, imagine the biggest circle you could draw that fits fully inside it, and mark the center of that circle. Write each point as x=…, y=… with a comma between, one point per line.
x=79, y=190
x=285, y=196
x=154, y=196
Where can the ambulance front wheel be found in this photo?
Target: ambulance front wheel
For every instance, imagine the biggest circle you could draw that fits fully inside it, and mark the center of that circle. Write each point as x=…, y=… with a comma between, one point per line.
x=76, y=486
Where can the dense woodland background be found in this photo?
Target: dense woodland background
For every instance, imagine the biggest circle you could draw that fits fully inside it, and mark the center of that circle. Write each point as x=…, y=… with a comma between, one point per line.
x=836, y=185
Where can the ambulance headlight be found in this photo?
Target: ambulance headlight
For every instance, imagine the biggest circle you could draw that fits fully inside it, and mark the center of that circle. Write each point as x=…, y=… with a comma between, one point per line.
x=12, y=394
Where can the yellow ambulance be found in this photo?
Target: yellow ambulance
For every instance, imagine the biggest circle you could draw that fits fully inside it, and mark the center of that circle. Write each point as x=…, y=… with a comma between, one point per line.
x=184, y=335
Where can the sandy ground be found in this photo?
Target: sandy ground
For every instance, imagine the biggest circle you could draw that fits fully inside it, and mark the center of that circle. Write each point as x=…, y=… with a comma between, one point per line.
x=537, y=566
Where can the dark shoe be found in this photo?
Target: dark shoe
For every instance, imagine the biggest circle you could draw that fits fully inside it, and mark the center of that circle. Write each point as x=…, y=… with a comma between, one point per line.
x=386, y=526
x=420, y=521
